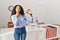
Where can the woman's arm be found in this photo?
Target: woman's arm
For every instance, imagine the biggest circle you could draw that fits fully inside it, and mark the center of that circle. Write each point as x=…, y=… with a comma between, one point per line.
x=28, y=19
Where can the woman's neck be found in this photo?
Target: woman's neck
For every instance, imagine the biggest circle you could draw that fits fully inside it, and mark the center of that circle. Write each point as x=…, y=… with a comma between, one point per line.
x=18, y=13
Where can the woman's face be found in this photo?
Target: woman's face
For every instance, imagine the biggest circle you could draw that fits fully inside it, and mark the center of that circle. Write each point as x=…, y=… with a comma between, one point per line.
x=18, y=9
x=29, y=12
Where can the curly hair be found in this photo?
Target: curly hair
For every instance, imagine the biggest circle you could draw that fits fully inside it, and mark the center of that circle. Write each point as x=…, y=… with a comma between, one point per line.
x=14, y=10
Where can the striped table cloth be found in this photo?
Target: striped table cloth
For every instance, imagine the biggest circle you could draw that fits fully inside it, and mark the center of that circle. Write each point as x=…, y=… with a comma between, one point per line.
x=50, y=31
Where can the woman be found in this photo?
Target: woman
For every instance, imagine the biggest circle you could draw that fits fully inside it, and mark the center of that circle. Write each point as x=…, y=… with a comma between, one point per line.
x=30, y=15
x=19, y=19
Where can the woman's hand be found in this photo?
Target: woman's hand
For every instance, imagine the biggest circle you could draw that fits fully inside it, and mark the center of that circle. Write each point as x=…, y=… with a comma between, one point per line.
x=31, y=15
x=17, y=15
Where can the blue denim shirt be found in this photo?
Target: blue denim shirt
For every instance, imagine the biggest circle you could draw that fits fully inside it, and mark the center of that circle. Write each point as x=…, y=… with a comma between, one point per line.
x=20, y=21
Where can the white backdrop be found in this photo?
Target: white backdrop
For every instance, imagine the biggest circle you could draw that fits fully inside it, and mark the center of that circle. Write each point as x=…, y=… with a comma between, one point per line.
x=39, y=9
x=53, y=13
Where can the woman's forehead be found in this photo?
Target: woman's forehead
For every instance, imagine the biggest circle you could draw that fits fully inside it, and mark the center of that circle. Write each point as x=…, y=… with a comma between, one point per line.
x=17, y=6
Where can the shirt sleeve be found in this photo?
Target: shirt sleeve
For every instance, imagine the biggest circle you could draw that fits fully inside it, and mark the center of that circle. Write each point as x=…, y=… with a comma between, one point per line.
x=34, y=19
x=15, y=20
x=27, y=19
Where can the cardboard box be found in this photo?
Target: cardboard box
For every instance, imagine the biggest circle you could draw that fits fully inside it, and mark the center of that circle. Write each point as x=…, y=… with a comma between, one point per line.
x=10, y=25
x=55, y=39
x=58, y=38
x=57, y=24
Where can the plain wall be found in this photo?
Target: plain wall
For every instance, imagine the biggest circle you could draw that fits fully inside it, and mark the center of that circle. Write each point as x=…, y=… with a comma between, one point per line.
x=39, y=9
x=53, y=12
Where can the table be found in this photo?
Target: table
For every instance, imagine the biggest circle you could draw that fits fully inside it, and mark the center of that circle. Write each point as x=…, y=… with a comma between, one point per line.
x=32, y=33
x=58, y=30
